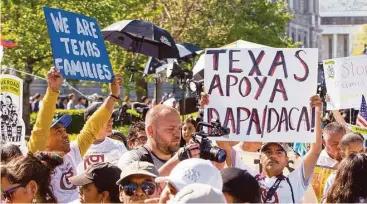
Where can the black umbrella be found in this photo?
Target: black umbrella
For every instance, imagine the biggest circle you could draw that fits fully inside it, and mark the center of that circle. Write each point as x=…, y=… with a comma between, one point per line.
x=142, y=37
x=187, y=50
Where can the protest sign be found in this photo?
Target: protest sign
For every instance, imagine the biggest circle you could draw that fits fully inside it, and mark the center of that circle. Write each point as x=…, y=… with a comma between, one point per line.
x=77, y=46
x=346, y=80
x=11, y=100
x=262, y=94
x=321, y=174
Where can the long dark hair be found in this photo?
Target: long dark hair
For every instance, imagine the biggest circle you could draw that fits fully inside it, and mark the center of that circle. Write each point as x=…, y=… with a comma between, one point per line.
x=36, y=167
x=350, y=181
x=8, y=152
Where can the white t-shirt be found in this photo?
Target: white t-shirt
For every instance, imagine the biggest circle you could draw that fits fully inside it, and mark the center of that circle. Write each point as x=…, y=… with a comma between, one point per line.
x=245, y=160
x=64, y=191
x=325, y=160
x=329, y=182
x=109, y=150
x=284, y=194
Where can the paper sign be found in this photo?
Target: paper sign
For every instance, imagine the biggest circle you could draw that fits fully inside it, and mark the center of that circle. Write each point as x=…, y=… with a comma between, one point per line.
x=77, y=46
x=321, y=174
x=11, y=102
x=346, y=80
x=262, y=94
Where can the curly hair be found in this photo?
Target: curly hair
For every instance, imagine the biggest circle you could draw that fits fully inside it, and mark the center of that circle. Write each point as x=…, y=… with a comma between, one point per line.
x=134, y=129
x=36, y=168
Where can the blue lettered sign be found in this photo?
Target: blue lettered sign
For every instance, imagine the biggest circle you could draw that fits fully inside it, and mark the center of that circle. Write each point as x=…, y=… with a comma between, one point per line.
x=77, y=46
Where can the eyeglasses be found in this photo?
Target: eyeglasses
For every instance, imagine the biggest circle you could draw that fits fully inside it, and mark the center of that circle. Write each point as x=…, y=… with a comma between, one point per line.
x=142, y=139
x=131, y=188
x=7, y=194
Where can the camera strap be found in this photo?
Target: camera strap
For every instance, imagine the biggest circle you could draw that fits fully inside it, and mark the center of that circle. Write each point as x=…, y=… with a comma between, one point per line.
x=275, y=186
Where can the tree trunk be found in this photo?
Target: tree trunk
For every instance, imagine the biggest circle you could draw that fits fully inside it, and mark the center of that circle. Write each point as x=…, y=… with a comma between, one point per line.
x=26, y=94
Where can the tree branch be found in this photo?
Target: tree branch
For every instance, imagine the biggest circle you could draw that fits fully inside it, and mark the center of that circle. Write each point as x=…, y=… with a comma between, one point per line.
x=187, y=15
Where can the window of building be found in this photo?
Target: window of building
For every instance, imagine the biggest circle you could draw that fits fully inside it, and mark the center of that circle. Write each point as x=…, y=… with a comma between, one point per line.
x=354, y=20
x=346, y=45
x=293, y=38
x=305, y=6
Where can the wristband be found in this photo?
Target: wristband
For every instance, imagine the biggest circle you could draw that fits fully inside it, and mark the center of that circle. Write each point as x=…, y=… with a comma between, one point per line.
x=114, y=97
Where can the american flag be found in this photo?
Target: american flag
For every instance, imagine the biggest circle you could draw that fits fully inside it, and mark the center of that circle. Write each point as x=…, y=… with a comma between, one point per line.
x=362, y=116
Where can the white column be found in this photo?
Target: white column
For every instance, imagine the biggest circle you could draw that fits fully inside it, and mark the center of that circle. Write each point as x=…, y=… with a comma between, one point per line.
x=291, y=4
x=335, y=43
x=310, y=6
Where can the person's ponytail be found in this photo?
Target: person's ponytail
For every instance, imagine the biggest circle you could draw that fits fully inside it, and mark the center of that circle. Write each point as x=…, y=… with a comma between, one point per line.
x=49, y=160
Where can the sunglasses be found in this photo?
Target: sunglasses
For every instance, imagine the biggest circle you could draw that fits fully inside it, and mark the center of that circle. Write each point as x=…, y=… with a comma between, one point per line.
x=131, y=188
x=7, y=194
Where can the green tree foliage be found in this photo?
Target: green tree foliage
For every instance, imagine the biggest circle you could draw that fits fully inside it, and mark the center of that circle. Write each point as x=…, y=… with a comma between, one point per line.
x=359, y=42
x=207, y=23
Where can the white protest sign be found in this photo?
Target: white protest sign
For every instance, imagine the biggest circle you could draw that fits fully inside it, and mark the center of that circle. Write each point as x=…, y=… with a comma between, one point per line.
x=11, y=102
x=262, y=94
x=346, y=80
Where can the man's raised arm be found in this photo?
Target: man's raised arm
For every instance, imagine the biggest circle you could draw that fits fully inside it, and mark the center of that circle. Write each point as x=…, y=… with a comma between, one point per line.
x=41, y=129
x=312, y=156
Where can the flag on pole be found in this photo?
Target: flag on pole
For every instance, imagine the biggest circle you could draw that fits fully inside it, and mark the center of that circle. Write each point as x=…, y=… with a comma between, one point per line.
x=8, y=44
x=362, y=115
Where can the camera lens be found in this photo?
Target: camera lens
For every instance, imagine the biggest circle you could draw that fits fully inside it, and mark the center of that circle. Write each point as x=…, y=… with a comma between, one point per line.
x=221, y=155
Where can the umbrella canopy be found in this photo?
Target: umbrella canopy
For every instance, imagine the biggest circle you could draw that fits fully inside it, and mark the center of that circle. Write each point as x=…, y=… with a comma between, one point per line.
x=142, y=37
x=186, y=51
x=198, y=69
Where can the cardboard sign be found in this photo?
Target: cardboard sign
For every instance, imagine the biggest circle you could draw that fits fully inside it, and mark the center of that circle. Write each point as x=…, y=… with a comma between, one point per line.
x=346, y=81
x=11, y=102
x=77, y=46
x=262, y=94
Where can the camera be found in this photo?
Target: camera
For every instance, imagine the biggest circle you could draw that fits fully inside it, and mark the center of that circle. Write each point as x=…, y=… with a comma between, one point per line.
x=207, y=151
x=141, y=108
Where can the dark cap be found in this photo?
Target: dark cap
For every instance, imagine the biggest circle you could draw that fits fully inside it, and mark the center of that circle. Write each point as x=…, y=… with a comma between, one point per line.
x=277, y=143
x=91, y=109
x=103, y=175
x=138, y=168
x=241, y=185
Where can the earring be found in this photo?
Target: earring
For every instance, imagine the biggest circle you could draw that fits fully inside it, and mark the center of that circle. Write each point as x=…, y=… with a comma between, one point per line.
x=34, y=200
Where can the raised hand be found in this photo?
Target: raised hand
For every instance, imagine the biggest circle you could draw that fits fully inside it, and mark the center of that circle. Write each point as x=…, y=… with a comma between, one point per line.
x=54, y=79
x=115, y=85
x=315, y=101
x=204, y=99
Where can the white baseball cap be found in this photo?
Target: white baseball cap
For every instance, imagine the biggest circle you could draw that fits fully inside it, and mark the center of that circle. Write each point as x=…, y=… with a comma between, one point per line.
x=198, y=193
x=191, y=171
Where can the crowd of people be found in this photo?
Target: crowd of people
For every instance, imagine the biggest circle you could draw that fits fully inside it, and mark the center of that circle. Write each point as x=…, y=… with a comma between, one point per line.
x=158, y=162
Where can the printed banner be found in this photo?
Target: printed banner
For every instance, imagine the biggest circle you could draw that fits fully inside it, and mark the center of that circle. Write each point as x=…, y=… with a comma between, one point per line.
x=321, y=174
x=346, y=80
x=77, y=46
x=11, y=99
x=262, y=94
x=357, y=129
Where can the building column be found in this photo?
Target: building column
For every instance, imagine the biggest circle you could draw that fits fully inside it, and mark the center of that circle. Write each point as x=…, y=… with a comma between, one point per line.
x=335, y=43
x=291, y=4
x=310, y=6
